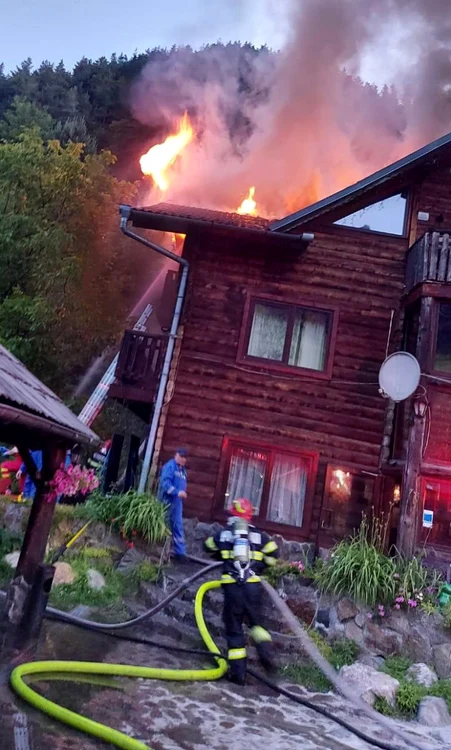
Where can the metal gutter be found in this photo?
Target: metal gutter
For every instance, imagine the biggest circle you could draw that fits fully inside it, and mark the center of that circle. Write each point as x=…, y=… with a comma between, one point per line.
x=375, y=179
x=146, y=219
x=125, y=212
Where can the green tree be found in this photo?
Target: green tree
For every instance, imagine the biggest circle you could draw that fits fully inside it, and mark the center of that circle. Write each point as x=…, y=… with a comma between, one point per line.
x=22, y=115
x=64, y=276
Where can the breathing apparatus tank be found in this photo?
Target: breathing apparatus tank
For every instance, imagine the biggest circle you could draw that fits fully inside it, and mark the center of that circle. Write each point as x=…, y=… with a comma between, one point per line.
x=241, y=547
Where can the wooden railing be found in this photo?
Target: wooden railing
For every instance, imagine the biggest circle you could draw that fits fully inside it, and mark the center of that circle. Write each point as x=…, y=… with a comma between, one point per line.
x=429, y=259
x=139, y=366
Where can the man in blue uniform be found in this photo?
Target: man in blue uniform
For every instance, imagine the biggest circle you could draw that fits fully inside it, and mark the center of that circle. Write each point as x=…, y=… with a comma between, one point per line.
x=172, y=492
x=29, y=490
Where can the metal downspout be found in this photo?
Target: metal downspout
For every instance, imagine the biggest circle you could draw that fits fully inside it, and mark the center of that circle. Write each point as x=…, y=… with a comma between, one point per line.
x=125, y=215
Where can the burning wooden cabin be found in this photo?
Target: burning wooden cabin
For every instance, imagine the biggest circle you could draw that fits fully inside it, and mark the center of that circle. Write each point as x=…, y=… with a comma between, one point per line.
x=285, y=324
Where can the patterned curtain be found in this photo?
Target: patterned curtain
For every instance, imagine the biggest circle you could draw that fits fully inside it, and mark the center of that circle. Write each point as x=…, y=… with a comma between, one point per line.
x=269, y=327
x=308, y=343
x=288, y=490
x=246, y=477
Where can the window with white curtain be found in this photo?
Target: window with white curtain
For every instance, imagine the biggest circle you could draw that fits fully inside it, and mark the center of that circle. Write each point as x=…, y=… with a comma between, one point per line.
x=275, y=482
x=289, y=334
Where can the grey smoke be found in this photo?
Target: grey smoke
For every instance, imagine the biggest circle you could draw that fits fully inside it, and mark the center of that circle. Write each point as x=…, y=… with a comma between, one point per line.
x=306, y=125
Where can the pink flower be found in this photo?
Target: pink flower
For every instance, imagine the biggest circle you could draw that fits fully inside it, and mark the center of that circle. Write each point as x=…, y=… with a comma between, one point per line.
x=399, y=600
x=397, y=606
x=412, y=603
x=369, y=616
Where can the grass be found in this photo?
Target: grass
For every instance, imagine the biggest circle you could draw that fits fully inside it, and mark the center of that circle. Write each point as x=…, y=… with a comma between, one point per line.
x=69, y=595
x=396, y=666
x=339, y=653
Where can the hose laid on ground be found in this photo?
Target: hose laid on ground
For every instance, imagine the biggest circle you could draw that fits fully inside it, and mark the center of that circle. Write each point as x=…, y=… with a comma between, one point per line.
x=94, y=728
x=73, y=719
x=313, y=652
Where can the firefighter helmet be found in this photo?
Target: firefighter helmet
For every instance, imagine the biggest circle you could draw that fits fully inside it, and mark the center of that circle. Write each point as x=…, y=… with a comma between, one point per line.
x=242, y=508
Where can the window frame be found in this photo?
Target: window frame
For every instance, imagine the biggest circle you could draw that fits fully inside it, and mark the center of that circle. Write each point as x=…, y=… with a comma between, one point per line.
x=254, y=444
x=408, y=214
x=434, y=338
x=429, y=477
x=355, y=471
x=243, y=358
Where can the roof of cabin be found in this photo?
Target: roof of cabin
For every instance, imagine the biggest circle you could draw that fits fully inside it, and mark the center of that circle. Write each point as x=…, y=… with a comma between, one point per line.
x=209, y=216
x=423, y=155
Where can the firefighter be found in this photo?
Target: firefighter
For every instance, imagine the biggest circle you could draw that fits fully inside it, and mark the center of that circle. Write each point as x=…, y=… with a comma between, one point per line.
x=246, y=552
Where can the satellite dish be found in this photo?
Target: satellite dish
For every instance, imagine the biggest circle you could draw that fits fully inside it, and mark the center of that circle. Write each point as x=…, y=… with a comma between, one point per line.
x=399, y=376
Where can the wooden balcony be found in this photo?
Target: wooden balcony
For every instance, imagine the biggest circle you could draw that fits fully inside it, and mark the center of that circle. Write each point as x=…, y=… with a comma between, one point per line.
x=139, y=367
x=429, y=259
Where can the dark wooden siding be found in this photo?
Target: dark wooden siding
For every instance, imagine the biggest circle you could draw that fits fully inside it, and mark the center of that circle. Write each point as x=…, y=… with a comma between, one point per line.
x=434, y=197
x=341, y=419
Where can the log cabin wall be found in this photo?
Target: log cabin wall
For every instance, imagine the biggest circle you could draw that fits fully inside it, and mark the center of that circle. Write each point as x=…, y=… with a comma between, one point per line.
x=434, y=197
x=361, y=275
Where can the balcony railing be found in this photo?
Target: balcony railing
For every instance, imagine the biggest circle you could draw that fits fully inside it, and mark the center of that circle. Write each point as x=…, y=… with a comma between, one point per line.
x=429, y=259
x=139, y=366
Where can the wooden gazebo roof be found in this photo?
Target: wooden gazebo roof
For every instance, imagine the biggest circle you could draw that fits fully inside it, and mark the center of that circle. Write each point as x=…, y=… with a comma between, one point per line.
x=30, y=413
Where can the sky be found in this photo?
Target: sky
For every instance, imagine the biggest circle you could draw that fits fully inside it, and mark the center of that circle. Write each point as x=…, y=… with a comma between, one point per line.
x=54, y=31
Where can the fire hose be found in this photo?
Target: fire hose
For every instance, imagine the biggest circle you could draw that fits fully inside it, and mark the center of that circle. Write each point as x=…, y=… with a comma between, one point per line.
x=125, y=742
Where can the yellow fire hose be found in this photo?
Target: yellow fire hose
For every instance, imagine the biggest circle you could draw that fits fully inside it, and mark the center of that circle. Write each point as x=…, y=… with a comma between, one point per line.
x=94, y=728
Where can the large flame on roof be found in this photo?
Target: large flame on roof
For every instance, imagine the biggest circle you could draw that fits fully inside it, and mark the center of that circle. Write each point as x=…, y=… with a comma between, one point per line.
x=248, y=206
x=160, y=157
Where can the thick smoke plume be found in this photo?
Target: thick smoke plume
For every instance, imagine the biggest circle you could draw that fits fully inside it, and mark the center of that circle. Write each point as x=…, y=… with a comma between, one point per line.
x=300, y=124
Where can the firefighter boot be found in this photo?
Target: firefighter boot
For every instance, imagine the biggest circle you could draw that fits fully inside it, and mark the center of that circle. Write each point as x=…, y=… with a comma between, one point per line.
x=262, y=640
x=237, y=665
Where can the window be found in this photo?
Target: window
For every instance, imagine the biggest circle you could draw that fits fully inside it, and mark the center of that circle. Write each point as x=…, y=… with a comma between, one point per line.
x=276, y=481
x=386, y=216
x=436, y=524
x=348, y=494
x=442, y=359
x=288, y=335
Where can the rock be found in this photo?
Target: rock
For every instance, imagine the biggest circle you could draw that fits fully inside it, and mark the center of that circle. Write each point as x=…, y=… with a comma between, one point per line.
x=433, y=712
x=372, y=661
x=368, y=683
x=421, y=674
x=382, y=641
x=12, y=559
x=64, y=573
x=360, y=619
x=346, y=610
x=397, y=620
x=417, y=646
x=96, y=581
x=353, y=632
x=15, y=517
x=130, y=560
x=442, y=661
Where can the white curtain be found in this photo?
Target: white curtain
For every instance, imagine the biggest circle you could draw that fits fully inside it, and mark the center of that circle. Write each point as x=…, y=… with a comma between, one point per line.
x=246, y=477
x=269, y=327
x=288, y=490
x=308, y=343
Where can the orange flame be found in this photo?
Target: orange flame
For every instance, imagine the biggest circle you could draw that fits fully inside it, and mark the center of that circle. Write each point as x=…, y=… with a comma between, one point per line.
x=160, y=157
x=248, y=206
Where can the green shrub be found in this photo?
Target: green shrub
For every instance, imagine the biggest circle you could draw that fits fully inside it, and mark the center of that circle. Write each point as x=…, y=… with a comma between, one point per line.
x=144, y=514
x=384, y=707
x=283, y=568
x=132, y=512
x=446, y=612
x=9, y=542
x=359, y=568
x=396, y=666
x=344, y=652
x=408, y=697
x=442, y=689
x=6, y=573
x=308, y=675
x=96, y=552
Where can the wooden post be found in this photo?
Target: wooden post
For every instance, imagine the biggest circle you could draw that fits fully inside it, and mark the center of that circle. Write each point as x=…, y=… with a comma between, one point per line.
x=410, y=499
x=17, y=612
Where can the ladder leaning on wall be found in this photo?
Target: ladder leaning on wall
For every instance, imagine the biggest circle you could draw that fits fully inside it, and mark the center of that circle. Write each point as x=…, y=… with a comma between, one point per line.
x=97, y=399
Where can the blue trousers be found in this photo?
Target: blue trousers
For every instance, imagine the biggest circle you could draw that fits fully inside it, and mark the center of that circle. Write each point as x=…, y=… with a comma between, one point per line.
x=176, y=524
